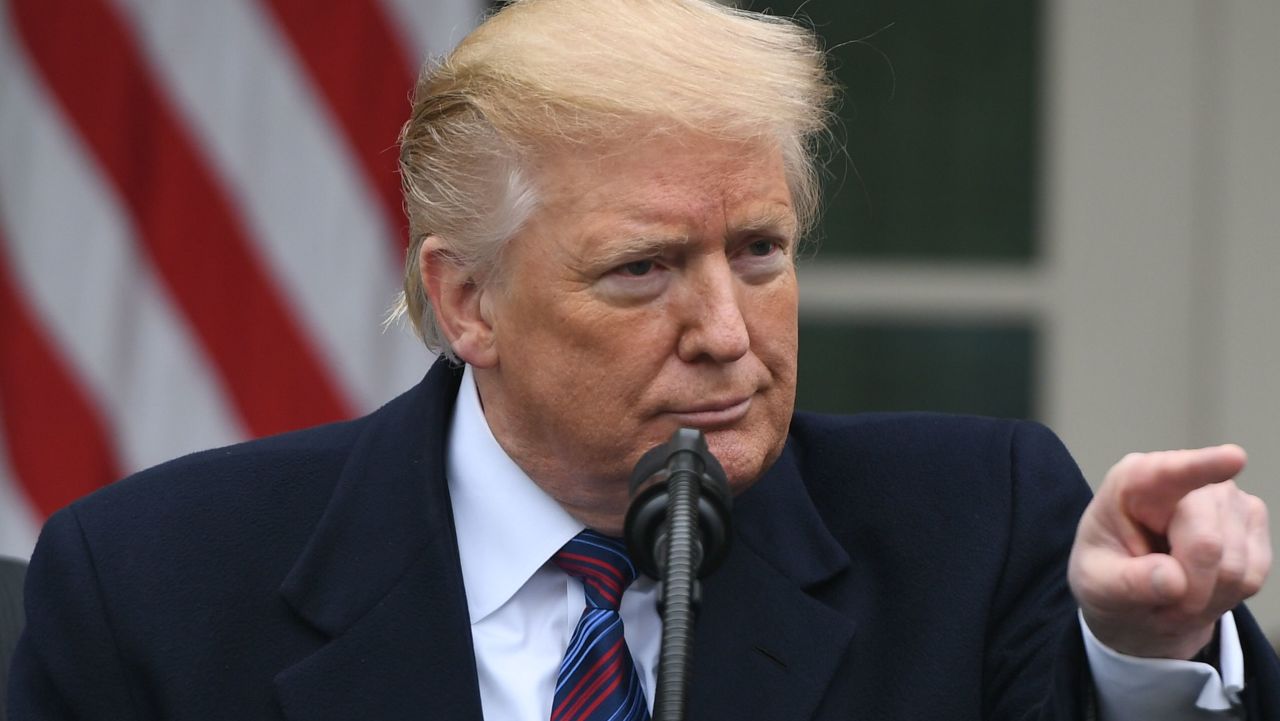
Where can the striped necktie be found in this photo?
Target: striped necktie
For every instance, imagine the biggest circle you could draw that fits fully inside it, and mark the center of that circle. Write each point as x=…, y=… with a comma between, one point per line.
x=598, y=680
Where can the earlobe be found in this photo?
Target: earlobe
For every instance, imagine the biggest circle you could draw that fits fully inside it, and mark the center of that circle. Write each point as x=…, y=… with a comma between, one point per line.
x=459, y=304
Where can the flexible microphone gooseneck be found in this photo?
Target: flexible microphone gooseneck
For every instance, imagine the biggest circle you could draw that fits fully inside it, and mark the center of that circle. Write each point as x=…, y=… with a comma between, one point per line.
x=676, y=525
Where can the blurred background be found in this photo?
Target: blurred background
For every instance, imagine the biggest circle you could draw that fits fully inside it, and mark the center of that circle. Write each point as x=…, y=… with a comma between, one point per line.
x=1066, y=210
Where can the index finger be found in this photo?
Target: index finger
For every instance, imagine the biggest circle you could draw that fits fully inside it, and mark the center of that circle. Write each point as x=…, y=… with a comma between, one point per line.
x=1152, y=484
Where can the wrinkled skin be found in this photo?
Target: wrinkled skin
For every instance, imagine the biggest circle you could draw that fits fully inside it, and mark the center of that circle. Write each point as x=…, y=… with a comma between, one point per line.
x=1167, y=546
x=653, y=288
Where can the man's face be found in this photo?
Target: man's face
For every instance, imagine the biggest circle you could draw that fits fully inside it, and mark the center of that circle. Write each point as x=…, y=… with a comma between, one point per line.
x=653, y=288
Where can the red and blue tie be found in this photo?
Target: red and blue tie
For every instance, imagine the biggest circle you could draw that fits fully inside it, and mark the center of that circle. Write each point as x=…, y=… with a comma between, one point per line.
x=598, y=680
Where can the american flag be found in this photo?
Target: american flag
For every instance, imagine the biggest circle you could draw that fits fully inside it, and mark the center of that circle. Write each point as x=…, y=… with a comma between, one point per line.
x=200, y=227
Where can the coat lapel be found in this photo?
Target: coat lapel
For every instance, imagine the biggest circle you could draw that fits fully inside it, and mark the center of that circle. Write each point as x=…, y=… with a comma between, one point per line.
x=765, y=648
x=380, y=582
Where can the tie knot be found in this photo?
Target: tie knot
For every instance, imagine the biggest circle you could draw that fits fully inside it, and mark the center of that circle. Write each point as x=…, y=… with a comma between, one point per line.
x=601, y=563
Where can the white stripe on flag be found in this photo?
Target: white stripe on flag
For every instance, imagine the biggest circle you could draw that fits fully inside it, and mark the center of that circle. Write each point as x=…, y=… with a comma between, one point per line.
x=432, y=28
x=74, y=256
x=269, y=137
x=19, y=522
x=234, y=81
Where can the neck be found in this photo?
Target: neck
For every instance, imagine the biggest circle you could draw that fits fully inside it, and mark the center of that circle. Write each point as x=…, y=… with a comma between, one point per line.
x=601, y=506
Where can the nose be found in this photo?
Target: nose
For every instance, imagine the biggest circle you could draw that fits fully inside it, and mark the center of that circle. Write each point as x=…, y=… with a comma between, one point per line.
x=715, y=328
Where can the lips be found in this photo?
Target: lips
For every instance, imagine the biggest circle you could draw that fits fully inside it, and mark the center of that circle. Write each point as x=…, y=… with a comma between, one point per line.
x=712, y=414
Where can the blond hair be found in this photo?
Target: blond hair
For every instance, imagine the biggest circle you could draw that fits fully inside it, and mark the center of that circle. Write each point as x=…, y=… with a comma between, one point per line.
x=543, y=72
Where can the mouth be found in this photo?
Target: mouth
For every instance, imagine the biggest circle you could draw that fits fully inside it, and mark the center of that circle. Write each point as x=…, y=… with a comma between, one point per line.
x=715, y=414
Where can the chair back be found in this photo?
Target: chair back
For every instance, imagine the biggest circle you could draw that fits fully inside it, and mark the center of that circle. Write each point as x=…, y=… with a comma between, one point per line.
x=12, y=619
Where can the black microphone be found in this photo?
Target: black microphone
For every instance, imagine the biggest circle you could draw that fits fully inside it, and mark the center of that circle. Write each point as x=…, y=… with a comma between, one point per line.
x=667, y=543
x=647, y=530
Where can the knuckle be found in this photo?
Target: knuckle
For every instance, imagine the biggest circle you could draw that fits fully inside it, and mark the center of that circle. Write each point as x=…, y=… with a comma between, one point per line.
x=1257, y=507
x=1224, y=492
x=1132, y=459
x=1254, y=580
x=1204, y=549
x=1086, y=583
x=1232, y=570
x=1250, y=586
x=1202, y=497
x=1125, y=466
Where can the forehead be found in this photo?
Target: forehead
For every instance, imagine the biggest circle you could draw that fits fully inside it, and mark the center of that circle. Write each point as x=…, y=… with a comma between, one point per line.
x=700, y=184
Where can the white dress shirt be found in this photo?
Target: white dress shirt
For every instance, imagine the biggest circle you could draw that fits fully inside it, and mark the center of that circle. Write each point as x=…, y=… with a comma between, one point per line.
x=1154, y=688
x=524, y=609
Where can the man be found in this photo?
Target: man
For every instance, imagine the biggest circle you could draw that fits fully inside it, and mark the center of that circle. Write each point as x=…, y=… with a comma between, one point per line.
x=605, y=202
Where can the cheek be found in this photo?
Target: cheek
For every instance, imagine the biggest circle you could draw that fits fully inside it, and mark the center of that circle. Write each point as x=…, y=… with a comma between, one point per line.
x=599, y=366
x=624, y=350
x=775, y=338
x=773, y=325
x=574, y=320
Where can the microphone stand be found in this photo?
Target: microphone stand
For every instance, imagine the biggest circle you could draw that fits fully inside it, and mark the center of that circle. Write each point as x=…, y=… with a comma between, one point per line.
x=677, y=529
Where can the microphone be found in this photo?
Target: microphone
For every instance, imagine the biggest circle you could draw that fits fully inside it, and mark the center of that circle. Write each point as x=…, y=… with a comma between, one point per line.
x=668, y=544
x=647, y=531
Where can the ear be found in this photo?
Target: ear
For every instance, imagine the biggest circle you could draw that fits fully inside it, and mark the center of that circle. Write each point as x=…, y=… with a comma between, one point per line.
x=457, y=299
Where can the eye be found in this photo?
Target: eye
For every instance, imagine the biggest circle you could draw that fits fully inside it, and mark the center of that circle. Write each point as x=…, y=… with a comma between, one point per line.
x=762, y=247
x=637, y=268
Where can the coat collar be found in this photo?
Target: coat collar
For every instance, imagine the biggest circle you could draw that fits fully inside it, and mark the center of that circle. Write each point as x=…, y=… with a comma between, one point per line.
x=381, y=583
x=379, y=579
x=765, y=647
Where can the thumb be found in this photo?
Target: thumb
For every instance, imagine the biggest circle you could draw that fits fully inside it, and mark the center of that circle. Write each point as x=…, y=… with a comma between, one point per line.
x=1155, y=579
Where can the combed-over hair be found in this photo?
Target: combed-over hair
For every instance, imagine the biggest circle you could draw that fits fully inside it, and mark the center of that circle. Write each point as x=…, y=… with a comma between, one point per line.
x=541, y=73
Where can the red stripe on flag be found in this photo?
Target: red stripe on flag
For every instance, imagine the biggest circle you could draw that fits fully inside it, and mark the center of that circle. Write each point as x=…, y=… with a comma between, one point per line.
x=359, y=65
x=185, y=220
x=58, y=444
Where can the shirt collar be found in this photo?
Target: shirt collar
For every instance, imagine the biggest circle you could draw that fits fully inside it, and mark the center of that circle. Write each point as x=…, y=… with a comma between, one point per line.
x=507, y=526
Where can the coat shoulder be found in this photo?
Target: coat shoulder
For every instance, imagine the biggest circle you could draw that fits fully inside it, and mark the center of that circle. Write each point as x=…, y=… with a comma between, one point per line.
x=218, y=506
x=231, y=475
x=938, y=465
x=925, y=440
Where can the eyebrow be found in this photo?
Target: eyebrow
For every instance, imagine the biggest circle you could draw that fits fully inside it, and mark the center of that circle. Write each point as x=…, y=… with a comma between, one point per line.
x=637, y=246
x=774, y=220
x=781, y=221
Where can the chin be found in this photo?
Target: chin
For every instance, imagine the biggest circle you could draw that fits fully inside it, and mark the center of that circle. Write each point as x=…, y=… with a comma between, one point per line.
x=744, y=459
